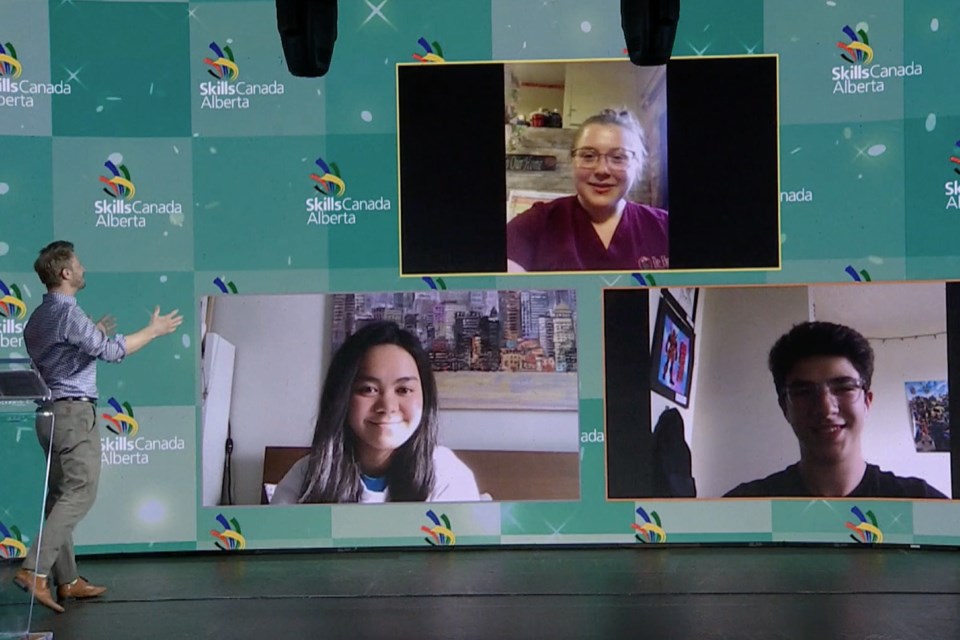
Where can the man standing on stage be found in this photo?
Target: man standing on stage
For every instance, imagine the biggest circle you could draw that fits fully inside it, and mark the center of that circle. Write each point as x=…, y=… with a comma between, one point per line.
x=65, y=345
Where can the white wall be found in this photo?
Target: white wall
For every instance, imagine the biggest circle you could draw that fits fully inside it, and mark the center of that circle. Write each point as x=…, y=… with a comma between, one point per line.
x=888, y=441
x=277, y=377
x=281, y=358
x=741, y=434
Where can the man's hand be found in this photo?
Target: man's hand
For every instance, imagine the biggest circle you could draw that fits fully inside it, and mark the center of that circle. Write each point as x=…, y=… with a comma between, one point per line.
x=161, y=325
x=107, y=324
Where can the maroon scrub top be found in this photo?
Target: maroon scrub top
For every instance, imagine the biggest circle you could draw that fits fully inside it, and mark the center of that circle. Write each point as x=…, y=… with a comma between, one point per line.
x=559, y=236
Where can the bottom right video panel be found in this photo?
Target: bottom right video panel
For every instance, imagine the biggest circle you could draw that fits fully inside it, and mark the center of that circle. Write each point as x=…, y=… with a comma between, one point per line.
x=781, y=391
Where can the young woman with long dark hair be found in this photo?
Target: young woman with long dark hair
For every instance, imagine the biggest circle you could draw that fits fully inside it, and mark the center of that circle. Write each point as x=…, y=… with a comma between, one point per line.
x=376, y=433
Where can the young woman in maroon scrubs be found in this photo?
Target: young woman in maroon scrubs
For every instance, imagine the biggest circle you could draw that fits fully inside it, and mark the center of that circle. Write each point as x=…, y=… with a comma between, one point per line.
x=598, y=229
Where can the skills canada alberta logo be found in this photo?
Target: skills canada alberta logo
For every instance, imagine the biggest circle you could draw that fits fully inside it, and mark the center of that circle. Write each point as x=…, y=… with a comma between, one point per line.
x=11, y=543
x=231, y=538
x=124, y=446
x=865, y=530
x=226, y=90
x=859, y=75
x=440, y=534
x=121, y=209
x=334, y=206
x=16, y=91
x=952, y=187
x=649, y=529
x=12, y=309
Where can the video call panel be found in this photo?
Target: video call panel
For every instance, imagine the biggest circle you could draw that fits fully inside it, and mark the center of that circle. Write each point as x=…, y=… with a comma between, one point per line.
x=696, y=414
x=504, y=364
x=479, y=144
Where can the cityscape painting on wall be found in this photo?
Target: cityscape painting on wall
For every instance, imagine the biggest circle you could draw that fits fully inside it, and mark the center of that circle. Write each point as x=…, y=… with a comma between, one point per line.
x=490, y=349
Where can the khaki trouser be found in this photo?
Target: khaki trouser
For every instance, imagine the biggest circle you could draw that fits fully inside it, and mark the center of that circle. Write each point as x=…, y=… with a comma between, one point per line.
x=71, y=488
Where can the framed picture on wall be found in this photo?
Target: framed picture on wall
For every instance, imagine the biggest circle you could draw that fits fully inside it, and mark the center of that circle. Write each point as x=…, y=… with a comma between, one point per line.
x=929, y=408
x=671, y=373
x=490, y=349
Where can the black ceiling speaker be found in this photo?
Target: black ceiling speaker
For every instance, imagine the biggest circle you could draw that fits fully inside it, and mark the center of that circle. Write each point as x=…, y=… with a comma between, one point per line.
x=649, y=28
x=308, y=29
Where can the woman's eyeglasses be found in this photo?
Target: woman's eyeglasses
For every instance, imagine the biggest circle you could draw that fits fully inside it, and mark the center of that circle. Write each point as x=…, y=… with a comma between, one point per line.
x=589, y=158
x=845, y=390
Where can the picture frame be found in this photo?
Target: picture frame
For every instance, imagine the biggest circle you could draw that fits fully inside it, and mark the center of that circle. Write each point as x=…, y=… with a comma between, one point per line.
x=928, y=408
x=672, y=353
x=470, y=374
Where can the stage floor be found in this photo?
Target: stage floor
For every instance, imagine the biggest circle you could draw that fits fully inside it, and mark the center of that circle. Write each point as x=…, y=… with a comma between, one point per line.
x=697, y=593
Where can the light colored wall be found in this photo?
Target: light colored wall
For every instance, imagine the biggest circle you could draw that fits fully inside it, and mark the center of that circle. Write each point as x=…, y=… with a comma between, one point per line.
x=888, y=441
x=277, y=377
x=281, y=358
x=741, y=434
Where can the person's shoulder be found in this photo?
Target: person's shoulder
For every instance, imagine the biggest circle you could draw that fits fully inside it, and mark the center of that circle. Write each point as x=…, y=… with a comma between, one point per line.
x=544, y=210
x=648, y=212
x=287, y=490
x=454, y=480
x=889, y=485
x=448, y=460
x=782, y=483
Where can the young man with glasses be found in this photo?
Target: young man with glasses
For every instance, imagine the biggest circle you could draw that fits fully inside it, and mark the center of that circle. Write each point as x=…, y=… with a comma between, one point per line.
x=822, y=372
x=597, y=229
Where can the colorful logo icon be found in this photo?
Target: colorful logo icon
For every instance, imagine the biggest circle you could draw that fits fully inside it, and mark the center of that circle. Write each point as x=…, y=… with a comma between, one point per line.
x=955, y=160
x=118, y=184
x=644, y=280
x=651, y=531
x=329, y=175
x=11, y=302
x=9, y=65
x=439, y=535
x=434, y=52
x=11, y=543
x=858, y=276
x=225, y=287
x=866, y=530
x=435, y=284
x=858, y=50
x=224, y=67
x=230, y=539
x=122, y=422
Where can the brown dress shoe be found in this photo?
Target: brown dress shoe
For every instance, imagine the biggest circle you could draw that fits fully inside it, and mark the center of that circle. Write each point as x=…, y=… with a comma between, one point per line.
x=79, y=589
x=37, y=587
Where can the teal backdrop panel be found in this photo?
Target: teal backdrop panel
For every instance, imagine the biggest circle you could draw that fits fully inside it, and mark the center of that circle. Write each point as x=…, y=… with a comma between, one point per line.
x=375, y=36
x=844, y=521
x=26, y=92
x=132, y=196
x=26, y=189
x=162, y=373
x=21, y=457
x=128, y=64
x=361, y=223
x=146, y=474
x=236, y=529
x=238, y=80
x=259, y=218
x=846, y=182
x=816, y=83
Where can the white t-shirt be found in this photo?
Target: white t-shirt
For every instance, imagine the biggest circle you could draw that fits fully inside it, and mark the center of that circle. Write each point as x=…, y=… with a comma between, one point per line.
x=454, y=482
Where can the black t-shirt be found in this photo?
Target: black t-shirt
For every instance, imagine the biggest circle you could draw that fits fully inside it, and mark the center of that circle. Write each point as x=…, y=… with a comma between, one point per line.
x=875, y=484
